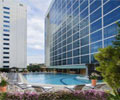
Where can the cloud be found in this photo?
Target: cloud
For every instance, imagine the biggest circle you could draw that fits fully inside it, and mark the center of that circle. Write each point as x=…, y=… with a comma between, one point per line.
x=35, y=35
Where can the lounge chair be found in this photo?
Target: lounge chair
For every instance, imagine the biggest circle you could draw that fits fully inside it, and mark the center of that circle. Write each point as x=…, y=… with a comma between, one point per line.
x=71, y=88
x=44, y=88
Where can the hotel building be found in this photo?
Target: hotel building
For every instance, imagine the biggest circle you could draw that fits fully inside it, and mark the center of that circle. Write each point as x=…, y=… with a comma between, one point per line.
x=76, y=29
x=13, y=34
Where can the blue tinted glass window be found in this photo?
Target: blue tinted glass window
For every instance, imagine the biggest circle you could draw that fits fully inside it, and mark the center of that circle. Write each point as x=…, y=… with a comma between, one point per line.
x=84, y=5
x=97, y=14
x=76, y=52
x=95, y=5
x=5, y=61
x=76, y=28
x=110, y=5
x=5, y=66
x=111, y=17
x=110, y=30
x=85, y=50
x=5, y=12
x=69, y=61
x=76, y=20
x=6, y=30
x=96, y=25
x=69, y=40
x=84, y=41
x=76, y=60
x=5, y=21
x=6, y=26
x=76, y=12
x=64, y=49
x=69, y=47
x=93, y=60
x=5, y=52
x=69, y=33
x=6, y=17
x=64, y=36
x=75, y=5
x=7, y=8
x=6, y=35
x=96, y=36
x=6, y=39
x=95, y=47
x=6, y=57
x=64, y=62
x=76, y=36
x=84, y=32
x=84, y=59
x=64, y=55
x=84, y=23
x=108, y=42
x=84, y=14
x=6, y=48
x=69, y=54
x=76, y=44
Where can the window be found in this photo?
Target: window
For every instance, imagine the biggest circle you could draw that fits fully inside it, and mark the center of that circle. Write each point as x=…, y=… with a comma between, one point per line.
x=76, y=52
x=5, y=52
x=6, y=30
x=96, y=25
x=83, y=5
x=108, y=42
x=76, y=4
x=96, y=46
x=76, y=36
x=111, y=17
x=6, y=17
x=69, y=54
x=76, y=60
x=69, y=61
x=5, y=21
x=85, y=50
x=110, y=30
x=95, y=5
x=97, y=14
x=6, y=48
x=76, y=12
x=76, y=28
x=6, y=57
x=84, y=14
x=5, y=66
x=69, y=47
x=110, y=5
x=84, y=23
x=6, y=26
x=69, y=40
x=84, y=32
x=69, y=33
x=7, y=8
x=76, y=44
x=5, y=43
x=84, y=59
x=84, y=41
x=96, y=36
x=5, y=61
x=93, y=59
x=6, y=39
x=5, y=12
x=6, y=35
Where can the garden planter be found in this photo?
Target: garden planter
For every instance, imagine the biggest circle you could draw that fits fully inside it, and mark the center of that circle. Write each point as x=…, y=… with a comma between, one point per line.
x=94, y=82
x=3, y=88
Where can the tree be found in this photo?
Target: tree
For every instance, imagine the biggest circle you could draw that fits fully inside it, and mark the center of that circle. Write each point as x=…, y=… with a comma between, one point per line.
x=109, y=60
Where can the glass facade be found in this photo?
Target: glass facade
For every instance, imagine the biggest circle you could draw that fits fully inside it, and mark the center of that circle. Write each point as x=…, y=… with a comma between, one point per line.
x=78, y=28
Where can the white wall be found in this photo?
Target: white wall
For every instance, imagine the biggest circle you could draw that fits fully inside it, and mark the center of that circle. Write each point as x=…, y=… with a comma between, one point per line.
x=18, y=33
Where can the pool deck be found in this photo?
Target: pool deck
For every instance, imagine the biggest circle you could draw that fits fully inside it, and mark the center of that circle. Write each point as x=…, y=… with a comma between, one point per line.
x=55, y=87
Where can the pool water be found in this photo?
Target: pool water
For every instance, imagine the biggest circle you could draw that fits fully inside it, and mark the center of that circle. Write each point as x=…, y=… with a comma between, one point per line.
x=57, y=79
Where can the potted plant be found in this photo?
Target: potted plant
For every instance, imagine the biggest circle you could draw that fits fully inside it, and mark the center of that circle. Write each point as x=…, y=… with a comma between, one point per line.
x=3, y=84
x=93, y=78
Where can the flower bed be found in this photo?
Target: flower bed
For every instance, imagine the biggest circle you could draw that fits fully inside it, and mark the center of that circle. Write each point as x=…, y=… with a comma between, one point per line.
x=61, y=95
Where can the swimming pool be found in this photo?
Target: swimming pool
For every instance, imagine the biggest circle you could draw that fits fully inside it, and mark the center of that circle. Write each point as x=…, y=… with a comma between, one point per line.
x=56, y=79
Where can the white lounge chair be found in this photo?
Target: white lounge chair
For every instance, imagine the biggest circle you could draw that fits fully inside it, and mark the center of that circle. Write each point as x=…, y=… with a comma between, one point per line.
x=71, y=88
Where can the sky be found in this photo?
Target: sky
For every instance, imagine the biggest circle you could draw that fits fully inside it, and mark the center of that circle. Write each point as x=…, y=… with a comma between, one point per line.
x=36, y=10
